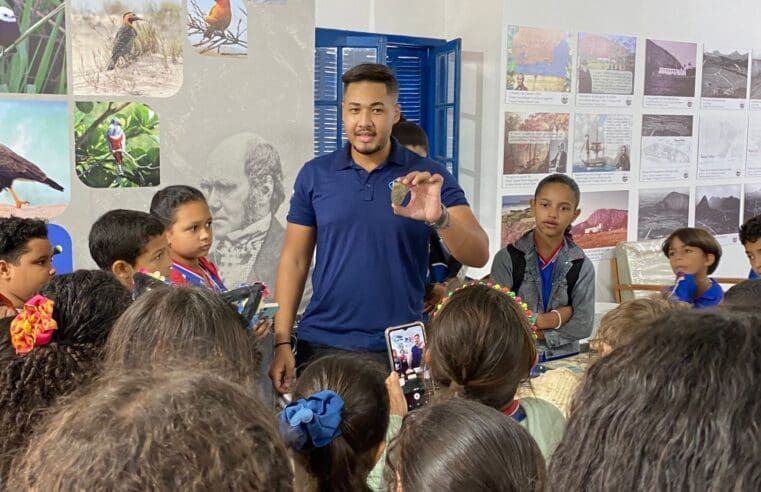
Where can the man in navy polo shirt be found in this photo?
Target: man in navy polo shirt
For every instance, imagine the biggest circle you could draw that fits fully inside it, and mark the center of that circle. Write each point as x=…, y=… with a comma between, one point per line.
x=372, y=257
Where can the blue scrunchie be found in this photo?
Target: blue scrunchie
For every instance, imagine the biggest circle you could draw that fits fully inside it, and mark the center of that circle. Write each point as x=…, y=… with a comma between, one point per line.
x=316, y=419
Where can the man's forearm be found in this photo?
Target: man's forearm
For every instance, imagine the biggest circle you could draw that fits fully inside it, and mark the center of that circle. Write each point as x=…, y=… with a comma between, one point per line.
x=291, y=279
x=466, y=241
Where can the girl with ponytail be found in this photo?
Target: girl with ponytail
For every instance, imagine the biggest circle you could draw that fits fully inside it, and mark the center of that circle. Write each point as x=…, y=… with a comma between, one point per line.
x=481, y=346
x=337, y=424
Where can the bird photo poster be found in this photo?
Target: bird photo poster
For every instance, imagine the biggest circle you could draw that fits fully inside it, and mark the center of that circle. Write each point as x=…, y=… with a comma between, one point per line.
x=35, y=176
x=218, y=27
x=127, y=48
x=32, y=46
x=116, y=144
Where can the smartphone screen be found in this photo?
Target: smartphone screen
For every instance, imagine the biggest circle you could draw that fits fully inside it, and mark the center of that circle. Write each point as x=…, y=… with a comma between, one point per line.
x=406, y=344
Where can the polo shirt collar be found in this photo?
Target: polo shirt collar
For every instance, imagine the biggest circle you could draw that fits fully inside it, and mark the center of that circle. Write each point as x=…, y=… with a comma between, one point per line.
x=399, y=156
x=713, y=295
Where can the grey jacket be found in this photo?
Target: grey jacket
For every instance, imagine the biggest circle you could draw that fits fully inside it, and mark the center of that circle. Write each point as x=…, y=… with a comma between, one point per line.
x=566, y=339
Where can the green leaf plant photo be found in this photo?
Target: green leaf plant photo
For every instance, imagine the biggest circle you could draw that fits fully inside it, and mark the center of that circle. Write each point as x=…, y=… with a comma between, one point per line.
x=117, y=144
x=32, y=46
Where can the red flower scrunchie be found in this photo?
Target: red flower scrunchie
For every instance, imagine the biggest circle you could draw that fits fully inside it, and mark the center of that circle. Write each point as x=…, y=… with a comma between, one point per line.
x=34, y=325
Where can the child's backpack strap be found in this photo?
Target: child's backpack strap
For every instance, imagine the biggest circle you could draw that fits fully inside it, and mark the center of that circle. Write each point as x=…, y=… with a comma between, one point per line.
x=518, y=259
x=519, y=269
x=572, y=276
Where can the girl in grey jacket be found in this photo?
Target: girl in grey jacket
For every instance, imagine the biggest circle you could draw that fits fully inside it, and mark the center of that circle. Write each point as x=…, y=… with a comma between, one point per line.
x=549, y=272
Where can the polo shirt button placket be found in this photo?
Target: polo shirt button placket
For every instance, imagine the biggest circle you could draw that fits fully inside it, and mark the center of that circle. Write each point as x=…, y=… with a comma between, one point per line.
x=368, y=194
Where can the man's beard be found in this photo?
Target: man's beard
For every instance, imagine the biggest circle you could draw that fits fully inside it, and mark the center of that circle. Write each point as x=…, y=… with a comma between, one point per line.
x=369, y=151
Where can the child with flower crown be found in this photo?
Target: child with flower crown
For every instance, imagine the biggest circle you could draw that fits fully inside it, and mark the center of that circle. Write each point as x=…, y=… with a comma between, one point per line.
x=342, y=417
x=55, y=347
x=481, y=346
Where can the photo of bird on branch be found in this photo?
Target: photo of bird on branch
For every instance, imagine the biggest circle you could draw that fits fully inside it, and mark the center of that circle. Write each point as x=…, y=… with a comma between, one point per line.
x=116, y=144
x=218, y=27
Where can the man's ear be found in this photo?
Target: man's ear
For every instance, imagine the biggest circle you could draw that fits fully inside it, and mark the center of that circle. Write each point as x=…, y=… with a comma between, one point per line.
x=397, y=113
x=5, y=269
x=576, y=214
x=123, y=271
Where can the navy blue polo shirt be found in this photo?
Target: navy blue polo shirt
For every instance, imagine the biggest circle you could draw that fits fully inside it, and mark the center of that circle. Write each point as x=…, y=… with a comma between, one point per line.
x=371, y=265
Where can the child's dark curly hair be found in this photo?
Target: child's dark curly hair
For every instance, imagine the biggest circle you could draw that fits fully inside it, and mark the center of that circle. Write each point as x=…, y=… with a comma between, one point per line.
x=750, y=232
x=15, y=233
x=87, y=303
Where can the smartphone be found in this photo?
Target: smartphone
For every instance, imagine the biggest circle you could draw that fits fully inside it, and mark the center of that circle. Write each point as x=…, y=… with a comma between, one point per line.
x=246, y=300
x=405, y=344
x=267, y=310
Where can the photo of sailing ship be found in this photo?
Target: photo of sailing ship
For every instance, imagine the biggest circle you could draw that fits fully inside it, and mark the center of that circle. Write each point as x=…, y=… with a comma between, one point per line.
x=602, y=143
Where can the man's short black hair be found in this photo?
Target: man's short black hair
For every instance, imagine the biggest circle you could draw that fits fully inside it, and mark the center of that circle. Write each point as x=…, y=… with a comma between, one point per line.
x=372, y=72
x=408, y=133
x=750, y=232
x=746, y=293
x=15, y=234
x=122, y=235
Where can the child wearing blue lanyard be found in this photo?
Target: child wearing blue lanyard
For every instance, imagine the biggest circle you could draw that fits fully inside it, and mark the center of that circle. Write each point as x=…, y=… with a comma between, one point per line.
x=186, y=216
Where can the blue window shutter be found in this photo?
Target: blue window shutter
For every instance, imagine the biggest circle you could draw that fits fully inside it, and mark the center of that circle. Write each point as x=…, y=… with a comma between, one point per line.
x=445, y=72
x=409, y=65
x=335, y=53
x=326, y=88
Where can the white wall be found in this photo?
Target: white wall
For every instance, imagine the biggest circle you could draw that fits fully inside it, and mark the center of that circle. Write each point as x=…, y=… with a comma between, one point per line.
x=424, y=18
x=480, y=24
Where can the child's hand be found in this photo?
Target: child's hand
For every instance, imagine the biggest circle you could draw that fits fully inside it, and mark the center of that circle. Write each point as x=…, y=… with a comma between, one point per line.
x=261, y=328
x=397, y=403
x=434, y=297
